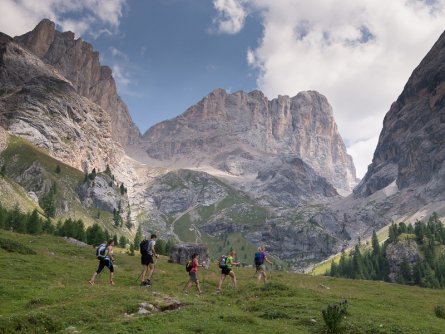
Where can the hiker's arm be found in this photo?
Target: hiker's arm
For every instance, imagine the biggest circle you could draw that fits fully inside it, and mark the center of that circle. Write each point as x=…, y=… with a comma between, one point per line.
x=154, y=251
x=267, y=260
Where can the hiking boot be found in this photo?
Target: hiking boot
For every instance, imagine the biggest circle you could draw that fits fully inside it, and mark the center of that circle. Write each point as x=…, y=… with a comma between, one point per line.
x=186, y=292
x=111, y=283
x=91, y=282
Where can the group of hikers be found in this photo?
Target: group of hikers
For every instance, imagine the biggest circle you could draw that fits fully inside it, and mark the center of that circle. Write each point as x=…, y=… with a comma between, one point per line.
x=226, y=263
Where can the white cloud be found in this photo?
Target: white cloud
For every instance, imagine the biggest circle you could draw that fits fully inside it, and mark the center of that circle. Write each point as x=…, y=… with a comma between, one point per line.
x=361, y=151
x=231, y=16
x=357, y=53
x=80, y=16
x=121, y=76
x=116, y=53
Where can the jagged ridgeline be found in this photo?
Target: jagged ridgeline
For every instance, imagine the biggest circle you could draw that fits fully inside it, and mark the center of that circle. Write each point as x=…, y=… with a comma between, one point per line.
x=234, y=171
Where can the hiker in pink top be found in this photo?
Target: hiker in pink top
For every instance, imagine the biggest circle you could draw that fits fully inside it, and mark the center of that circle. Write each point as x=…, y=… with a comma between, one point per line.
x=193, y=266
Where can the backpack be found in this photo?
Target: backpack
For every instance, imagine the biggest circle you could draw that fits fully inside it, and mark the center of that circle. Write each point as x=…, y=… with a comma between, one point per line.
x=188, y=266
x=100, y=251
x=143, y=247
x=259, y=258
x=222, y=261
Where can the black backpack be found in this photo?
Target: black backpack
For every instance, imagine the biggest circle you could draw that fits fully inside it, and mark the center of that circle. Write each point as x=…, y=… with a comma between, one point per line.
x=189, y=266
x=222, y=262
x=143, y=247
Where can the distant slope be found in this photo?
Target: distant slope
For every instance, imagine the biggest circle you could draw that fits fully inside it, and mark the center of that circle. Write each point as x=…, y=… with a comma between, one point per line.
x=30, y=170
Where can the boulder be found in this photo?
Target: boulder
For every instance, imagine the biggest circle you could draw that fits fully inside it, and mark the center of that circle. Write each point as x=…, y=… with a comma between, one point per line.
x=180, y=253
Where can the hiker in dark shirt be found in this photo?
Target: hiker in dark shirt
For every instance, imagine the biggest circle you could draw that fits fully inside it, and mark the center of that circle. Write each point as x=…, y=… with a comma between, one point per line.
x=147, y=260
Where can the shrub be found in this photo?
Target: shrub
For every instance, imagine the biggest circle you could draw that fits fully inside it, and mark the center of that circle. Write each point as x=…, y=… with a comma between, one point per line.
x=334, y=314
x=439, y=310
x=15, y=247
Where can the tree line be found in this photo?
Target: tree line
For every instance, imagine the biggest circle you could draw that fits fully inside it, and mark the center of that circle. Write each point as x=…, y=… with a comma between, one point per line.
x=33, y=223
x=428, y=270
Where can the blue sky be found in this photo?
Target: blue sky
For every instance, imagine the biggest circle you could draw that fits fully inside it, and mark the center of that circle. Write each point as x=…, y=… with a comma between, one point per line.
x=166, y=55
x=170, y=60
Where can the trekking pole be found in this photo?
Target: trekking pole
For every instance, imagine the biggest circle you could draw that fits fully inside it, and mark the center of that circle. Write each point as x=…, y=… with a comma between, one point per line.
x=137, y=279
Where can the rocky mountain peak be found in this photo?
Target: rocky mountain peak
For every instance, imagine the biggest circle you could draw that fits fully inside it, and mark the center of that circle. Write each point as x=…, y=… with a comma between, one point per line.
x=248, y=123
x=411, y=147
x=77, y=61
x=40, y=38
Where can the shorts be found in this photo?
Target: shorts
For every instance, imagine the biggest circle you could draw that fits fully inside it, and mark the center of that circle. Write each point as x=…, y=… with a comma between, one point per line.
x=146, y=259
x=192, y=276
x=261, y=267
x=105, y=263
x=225, y=271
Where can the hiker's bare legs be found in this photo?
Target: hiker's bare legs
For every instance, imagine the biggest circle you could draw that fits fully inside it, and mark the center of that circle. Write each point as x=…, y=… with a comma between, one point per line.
x=93, y=279
x=152, y=269
x=144, y=273
x=111, y=278
x=233, y=277
x=198, y=286
x=188, y=285
x=221, y=280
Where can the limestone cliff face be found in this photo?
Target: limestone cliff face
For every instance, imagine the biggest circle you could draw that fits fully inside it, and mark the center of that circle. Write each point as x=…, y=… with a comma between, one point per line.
x=79, y=63
x=40, y=105
x=411, y=148
x=223, y=124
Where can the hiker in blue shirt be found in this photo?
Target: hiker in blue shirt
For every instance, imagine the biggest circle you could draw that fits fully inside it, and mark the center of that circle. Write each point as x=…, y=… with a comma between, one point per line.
x=260, y=263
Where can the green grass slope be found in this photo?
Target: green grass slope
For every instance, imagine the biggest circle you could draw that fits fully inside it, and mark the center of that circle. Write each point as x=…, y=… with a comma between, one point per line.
x=49, y=292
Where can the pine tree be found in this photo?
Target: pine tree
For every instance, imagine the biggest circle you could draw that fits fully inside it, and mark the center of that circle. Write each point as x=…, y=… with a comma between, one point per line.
x=137, y=237
x=95, y=235
x=122, y=242
x=375, y=244
x=35, y=224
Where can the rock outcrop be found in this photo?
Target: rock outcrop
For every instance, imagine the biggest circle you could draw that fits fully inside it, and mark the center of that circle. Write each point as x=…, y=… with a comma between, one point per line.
x=40, y=105
x=79, y=63
x=399, y=253
x=411, y=147
x=181, y=253
x=236, y=133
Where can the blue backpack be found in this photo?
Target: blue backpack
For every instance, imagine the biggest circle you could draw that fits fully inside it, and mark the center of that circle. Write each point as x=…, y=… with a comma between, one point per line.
x=259, y=258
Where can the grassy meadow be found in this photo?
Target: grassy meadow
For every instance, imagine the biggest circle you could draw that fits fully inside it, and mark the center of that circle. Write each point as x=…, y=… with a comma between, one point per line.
x=48, y=292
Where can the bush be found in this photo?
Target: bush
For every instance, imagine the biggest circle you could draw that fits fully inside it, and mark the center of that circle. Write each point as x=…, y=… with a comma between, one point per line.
x=15, y=247
x=439, y=310
x=334, y=314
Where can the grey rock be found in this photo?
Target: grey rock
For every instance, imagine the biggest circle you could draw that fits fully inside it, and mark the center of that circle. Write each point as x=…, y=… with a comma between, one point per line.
x=79, y=63
x=401, y=251
x=235, y=132
x=181, y=253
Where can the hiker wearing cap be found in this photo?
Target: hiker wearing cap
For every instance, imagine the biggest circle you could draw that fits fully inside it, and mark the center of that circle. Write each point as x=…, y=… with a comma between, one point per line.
x=105, y=256
x=260, y=263
x=148, y=253
x=226, y=264
x=192, y=268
